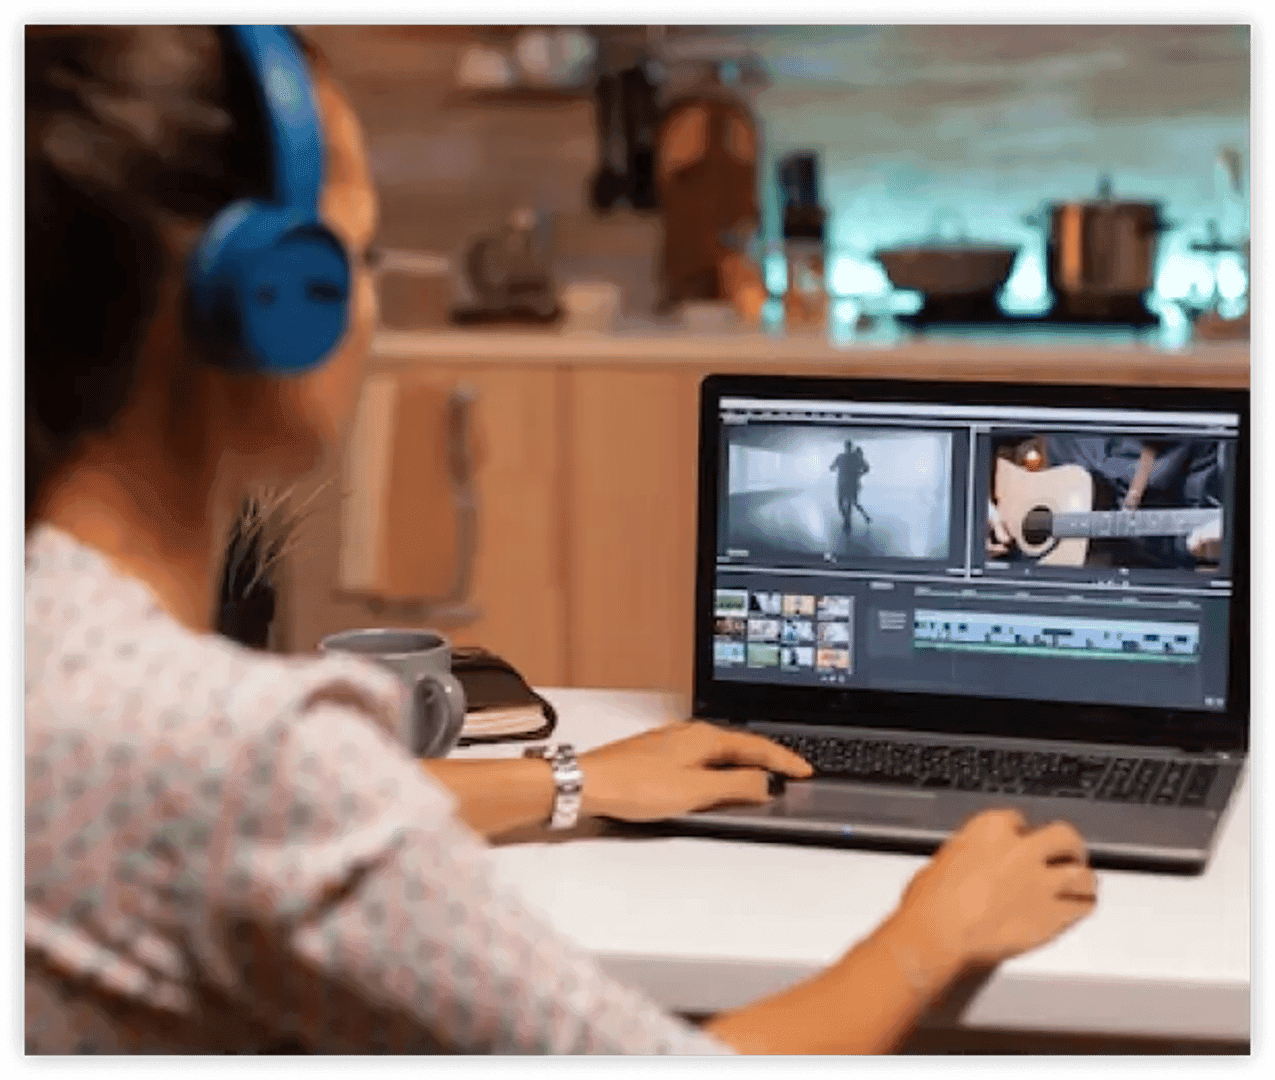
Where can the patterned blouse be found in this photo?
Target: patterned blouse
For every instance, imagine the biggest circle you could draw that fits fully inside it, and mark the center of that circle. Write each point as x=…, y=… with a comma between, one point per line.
x=230, y=852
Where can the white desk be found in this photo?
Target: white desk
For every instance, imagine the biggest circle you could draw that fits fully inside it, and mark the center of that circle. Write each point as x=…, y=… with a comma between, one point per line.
x=704, y=925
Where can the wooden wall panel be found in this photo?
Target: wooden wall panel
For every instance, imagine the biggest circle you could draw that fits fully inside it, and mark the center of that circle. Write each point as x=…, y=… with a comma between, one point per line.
x=518, y=577
x=632, y=489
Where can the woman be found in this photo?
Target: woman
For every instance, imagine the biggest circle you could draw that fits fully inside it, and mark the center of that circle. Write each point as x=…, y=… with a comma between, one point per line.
x=228, y=851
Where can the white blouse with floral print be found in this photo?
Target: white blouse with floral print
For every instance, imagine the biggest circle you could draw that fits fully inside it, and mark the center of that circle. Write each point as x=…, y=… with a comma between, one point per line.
x=231, y=852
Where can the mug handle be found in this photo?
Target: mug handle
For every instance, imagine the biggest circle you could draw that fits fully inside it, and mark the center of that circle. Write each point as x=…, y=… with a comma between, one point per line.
x=440, y=714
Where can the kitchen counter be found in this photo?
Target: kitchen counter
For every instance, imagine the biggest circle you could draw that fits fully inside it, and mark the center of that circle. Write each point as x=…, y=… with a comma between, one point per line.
x=1062, y=355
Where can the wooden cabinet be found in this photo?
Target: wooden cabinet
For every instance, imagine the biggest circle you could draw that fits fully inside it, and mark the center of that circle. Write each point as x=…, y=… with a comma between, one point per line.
x=632, y=479
x=519, y=571
x=518, y=584
x=587, y=488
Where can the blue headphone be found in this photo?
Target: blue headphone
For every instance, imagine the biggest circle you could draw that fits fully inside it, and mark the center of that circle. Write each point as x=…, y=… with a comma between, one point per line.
x=269, y=284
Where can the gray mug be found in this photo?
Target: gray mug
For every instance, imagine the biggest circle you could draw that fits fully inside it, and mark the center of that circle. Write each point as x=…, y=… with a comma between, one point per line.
x=422, y=659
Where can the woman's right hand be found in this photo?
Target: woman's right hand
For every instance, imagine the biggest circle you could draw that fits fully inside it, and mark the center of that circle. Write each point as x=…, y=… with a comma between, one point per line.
x=994, y=890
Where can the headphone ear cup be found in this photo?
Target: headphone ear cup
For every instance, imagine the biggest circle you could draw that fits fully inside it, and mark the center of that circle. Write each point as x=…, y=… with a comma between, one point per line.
x=268, y=295
x=212, y=307
x=294, y=302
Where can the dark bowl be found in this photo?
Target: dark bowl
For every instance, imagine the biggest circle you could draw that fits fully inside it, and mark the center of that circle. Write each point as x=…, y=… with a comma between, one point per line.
x=949, y=269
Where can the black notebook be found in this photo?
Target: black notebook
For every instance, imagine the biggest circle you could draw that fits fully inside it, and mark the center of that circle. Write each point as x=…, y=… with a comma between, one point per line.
x=501, y=706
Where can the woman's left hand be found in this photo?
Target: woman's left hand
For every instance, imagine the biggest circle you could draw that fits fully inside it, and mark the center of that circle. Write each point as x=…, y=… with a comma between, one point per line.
x=680, y=768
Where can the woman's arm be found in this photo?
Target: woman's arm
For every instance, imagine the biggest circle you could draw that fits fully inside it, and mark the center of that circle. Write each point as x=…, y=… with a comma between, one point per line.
x=994, y=890
x=347, y=907
x=496, y=797
x=866, y=1004
x=350, y=911
x=671, y=770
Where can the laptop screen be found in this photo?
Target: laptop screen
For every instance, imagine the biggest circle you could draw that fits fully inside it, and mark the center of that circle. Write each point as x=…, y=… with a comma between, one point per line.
x=1051, y=552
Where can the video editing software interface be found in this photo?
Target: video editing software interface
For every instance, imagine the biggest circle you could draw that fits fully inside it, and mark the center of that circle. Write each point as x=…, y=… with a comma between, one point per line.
x=1050, y=553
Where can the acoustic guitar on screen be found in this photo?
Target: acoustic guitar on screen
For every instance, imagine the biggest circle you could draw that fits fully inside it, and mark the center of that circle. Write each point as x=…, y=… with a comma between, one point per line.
x=1050, y=516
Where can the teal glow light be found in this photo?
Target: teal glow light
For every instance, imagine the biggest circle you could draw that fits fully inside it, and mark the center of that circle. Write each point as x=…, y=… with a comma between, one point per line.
x=843, y=315
x=850, y=275
x=1182, y=276
x=1027, y=290
x=1232, y=282
x=775, y=269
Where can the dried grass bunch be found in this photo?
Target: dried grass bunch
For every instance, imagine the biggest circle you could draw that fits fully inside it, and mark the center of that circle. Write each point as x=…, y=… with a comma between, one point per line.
x=267, y=529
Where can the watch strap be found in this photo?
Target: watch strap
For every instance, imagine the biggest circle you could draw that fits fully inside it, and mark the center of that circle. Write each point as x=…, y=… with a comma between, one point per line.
x=568, y=783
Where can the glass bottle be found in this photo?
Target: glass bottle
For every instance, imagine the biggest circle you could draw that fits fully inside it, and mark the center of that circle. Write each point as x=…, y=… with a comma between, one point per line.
x=806, y=297
x=806, y=301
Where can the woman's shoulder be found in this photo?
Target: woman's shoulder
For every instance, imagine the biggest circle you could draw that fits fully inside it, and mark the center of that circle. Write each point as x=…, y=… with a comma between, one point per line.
x=101, y=652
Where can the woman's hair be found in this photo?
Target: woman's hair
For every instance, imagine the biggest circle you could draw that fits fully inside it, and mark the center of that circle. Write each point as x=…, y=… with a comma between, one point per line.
x=129, y=130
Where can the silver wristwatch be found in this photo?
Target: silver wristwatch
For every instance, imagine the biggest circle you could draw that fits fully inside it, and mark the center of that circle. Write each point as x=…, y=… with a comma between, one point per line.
x=568, y=782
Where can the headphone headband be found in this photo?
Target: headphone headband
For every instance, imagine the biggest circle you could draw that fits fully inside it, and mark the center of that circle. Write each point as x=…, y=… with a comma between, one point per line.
x=296, y=142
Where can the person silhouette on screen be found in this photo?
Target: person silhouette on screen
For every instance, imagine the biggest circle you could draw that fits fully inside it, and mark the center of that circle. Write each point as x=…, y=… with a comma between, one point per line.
x=850, y=466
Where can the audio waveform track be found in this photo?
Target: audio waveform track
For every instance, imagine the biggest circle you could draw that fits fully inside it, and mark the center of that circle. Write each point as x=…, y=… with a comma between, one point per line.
x=1053, y=635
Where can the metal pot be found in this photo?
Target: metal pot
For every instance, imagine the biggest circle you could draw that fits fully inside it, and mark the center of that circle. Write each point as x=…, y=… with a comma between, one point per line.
x=1101, y=248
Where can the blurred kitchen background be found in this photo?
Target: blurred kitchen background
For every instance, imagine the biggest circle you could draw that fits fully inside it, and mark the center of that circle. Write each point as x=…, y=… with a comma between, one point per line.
x=923, y=134
x=583, y=222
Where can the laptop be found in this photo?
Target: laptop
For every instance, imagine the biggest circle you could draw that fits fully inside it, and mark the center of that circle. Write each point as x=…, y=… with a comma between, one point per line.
x=953, y=596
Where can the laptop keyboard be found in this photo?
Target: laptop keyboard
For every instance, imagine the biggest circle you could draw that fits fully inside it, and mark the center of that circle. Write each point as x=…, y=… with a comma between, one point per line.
x=1151, y=781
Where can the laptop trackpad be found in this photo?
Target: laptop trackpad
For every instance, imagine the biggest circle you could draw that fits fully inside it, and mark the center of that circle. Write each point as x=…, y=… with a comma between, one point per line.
x=844, y=802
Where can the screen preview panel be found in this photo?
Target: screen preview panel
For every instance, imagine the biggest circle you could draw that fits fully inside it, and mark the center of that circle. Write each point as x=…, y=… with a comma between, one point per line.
x=1050, y=553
